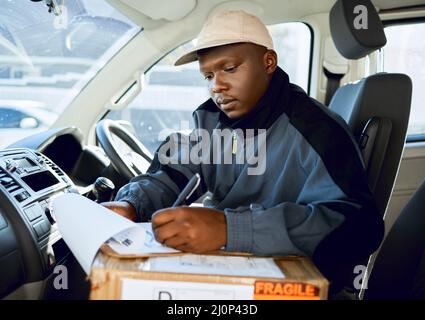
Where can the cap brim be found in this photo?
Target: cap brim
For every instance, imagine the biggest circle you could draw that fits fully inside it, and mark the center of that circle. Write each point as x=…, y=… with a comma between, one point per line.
x=186, y=58
x=193, y=56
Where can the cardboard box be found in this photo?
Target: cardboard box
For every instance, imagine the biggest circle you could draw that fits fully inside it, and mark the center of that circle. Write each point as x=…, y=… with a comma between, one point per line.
x=117, y=278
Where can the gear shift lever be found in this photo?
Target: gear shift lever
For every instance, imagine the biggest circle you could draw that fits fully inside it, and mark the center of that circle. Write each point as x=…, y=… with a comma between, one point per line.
x=103, y=189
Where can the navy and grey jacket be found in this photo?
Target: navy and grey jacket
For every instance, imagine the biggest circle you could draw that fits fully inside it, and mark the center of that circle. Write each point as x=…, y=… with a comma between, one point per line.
x=312, y=199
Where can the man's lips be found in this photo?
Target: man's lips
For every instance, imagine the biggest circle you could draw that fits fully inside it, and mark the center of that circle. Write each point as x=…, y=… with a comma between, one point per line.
x=226, y=103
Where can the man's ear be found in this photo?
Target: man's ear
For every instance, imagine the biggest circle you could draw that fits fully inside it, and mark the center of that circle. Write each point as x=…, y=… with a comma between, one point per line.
x=270, y=61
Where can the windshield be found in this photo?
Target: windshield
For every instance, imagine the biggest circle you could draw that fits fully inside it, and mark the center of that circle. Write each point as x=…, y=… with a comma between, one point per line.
x=46, y=60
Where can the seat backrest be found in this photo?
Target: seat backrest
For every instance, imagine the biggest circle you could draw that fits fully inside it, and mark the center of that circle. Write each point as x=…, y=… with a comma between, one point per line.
x=376, y=108
x=399, y=268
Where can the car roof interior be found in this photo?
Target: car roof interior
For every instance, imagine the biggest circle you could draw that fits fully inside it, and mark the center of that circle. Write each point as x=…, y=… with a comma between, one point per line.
x=269, y=10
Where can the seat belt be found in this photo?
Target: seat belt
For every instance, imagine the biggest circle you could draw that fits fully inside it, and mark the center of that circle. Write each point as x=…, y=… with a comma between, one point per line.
x=334, y=80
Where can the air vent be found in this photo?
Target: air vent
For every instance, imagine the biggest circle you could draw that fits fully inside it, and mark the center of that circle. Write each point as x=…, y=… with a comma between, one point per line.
x=54, y=167
x=2, y=173
x=57, y=170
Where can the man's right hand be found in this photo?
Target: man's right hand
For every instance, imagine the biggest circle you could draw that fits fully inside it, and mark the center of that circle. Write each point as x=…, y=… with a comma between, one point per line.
x=123, y=208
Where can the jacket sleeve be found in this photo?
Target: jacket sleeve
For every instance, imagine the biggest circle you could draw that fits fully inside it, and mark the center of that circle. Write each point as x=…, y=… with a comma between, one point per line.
x=324, y=224
x=165, y=178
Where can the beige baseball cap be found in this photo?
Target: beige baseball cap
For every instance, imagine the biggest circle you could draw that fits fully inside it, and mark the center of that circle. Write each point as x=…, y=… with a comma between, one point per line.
x=226, y=28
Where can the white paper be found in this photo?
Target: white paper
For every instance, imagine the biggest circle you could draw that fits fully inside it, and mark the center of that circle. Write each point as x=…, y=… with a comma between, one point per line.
x=220, y=265
x=138, y=289
x=125, y=242
x=86, y=225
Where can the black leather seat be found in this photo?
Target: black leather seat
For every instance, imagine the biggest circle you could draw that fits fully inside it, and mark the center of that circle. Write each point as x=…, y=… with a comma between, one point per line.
x=399, y=269
x=376, y=108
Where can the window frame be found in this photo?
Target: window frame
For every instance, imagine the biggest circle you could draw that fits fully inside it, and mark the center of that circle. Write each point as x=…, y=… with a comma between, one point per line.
x=310, y=66
x=411, y=138
x=310, y=63
x=309, y=69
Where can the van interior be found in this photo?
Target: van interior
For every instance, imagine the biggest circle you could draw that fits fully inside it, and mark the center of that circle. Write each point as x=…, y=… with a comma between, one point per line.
x=89, y=91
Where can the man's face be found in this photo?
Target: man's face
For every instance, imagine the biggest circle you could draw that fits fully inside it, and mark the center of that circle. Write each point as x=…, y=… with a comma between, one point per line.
x=238, y=76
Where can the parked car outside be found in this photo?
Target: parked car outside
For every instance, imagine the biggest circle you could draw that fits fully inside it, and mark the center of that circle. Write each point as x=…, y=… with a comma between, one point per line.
x=21, y=118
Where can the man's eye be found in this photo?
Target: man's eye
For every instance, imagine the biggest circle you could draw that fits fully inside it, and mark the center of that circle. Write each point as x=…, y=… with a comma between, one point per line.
x=208, y=77
x=230, y=69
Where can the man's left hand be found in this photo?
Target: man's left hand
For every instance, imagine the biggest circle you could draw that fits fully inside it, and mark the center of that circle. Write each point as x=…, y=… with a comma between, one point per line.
x=190, y=229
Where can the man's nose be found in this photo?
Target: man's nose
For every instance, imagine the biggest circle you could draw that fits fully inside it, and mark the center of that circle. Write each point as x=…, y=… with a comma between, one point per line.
x=218, y=85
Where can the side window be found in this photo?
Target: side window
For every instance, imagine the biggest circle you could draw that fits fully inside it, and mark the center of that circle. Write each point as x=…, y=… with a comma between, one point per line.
x=405, y=53
x=171, y=94
x=292, y=42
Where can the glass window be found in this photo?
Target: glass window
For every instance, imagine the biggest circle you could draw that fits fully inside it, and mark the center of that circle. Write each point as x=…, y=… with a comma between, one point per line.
x=405, y=53
x=46, y=60
x=292, y=42
x=170, y=94
x=10, y=118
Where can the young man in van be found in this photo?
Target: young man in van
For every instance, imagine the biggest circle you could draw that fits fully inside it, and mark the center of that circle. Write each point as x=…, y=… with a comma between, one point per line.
x=308, y=196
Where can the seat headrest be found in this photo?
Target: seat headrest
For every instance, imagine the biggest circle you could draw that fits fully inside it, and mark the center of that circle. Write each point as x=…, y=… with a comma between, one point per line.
x=356, y=28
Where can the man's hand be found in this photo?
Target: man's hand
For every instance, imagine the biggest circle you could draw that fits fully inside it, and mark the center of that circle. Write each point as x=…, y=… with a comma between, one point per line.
x=123, y=208
x=190, y=229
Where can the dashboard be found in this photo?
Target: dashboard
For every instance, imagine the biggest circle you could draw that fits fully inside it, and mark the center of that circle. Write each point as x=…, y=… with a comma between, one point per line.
x=32, y=173
x=28, y=182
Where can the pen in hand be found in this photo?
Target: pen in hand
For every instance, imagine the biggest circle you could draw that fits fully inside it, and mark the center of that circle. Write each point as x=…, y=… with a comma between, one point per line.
x=188, y=190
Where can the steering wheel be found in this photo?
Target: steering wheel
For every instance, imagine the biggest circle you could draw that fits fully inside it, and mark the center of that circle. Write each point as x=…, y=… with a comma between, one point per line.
x=127, y=154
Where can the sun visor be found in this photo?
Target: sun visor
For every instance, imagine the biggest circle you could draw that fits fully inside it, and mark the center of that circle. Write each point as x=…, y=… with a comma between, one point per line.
x=170, y=10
